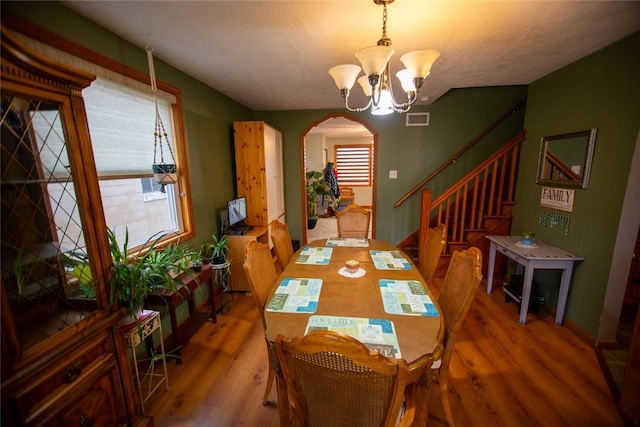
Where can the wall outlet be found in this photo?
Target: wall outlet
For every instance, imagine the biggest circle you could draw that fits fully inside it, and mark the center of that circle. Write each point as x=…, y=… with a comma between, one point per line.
x=393, y=174
x=575, y=169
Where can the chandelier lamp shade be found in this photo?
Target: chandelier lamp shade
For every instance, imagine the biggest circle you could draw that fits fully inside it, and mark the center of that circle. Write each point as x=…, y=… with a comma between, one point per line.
x=376, y=83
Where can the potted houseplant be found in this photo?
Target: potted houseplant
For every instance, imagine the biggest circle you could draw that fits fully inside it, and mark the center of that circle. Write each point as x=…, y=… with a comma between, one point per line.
x=197, y=259
x=133, y=276
x=219, y=250
x=528, y=238
x=316, y=186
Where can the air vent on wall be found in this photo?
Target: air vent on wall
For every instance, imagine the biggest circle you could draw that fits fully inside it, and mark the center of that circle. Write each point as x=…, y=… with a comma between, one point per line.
x=417, y=119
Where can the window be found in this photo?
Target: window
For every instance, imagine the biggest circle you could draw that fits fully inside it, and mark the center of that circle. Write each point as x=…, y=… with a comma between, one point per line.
x=121, y=123
x=151, y=190
x=121, y=117
x=353, y=164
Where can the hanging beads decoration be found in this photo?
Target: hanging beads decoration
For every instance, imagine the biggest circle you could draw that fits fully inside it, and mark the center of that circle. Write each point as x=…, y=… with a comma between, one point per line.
x=164, y=173
x=555, y=218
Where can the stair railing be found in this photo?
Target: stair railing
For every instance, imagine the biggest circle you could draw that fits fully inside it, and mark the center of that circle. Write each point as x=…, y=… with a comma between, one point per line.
x=479, y=194
x=460, y=152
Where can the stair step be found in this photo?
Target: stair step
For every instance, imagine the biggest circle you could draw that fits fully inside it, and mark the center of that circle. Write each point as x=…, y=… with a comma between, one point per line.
x=507, y=208
x=473, y=236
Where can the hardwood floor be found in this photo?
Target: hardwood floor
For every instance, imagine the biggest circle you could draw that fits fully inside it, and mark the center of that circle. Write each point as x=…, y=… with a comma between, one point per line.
x=503, y=374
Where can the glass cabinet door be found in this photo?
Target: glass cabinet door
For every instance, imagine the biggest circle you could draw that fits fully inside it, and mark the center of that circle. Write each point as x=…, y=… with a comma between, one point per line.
x=47, y=282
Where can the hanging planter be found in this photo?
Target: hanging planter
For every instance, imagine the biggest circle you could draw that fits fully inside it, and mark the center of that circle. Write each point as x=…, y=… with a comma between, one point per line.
x=163, y=173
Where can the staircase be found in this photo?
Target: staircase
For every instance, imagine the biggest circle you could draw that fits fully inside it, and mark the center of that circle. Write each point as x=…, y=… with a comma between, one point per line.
x=480, y=203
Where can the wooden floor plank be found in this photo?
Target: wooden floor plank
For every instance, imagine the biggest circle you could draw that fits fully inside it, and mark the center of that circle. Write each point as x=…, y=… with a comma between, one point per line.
x=502, y=373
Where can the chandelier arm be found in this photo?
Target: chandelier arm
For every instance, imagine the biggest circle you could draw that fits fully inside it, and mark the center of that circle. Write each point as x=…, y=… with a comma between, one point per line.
x=345, y=96
x=375, y=81
x=397, y=106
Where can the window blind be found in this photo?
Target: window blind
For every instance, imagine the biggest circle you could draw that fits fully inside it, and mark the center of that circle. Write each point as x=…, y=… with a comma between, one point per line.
x=353, y=164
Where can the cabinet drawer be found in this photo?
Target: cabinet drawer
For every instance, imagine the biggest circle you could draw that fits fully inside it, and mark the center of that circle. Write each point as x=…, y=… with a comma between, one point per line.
x=95, y=407
x=91, y=401
x=514, y=256
x=62, y=376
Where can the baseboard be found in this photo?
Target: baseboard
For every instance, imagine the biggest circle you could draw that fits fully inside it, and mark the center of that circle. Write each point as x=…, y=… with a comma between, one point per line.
x=568, y=323
x=606, y=372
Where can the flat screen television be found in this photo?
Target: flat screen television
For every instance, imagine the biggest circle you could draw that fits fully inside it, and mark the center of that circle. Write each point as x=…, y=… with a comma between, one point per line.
x=237, y=209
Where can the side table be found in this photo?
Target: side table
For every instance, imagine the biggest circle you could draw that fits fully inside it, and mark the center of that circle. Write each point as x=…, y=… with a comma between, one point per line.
x=541, y=256
x=135, y=334
x=171, y=300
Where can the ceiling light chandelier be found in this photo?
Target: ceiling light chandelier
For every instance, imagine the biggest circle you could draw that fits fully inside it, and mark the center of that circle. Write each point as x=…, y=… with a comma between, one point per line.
x=376, y=84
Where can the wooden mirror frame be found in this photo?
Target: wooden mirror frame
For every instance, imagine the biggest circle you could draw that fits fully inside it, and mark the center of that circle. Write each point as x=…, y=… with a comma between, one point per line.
x=565, y=160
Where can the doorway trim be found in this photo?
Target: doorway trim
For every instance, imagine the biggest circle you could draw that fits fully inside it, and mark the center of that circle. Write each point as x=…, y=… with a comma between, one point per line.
x=303, y=168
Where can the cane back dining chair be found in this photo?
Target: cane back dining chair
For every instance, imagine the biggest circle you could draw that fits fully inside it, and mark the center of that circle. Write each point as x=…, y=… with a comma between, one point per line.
x=261, y=275
x=353, y=221
x=335, y=380
x=431, y=250
x=458, y=289
x=282, y=244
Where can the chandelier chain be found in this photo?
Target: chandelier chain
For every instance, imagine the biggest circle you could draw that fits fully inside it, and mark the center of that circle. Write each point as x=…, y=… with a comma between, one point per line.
x=384, y=22
x=384, y=40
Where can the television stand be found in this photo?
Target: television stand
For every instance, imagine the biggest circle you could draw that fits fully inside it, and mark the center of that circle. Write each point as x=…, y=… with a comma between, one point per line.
x=240, y=231
x=237, y=246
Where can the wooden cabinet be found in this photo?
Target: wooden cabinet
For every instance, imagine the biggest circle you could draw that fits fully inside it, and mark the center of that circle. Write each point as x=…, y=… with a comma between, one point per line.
x=259, y=172
x=64, y=361
x=237, y=245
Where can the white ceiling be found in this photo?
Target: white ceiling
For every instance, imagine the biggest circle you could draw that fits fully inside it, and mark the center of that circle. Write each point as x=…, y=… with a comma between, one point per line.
x=274, y=55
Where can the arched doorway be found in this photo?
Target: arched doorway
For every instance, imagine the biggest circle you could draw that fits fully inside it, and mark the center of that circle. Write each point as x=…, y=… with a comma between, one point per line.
x=317, y=147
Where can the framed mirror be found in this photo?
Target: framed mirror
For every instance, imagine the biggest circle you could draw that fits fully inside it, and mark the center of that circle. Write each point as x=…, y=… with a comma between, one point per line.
x=565, y=160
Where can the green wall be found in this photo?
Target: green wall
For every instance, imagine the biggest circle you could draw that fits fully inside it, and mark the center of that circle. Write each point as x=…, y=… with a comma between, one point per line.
x=600, y=91
x=415, y=152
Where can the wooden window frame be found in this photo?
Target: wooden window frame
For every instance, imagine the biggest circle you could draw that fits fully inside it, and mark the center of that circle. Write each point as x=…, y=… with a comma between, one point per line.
x=183, y=202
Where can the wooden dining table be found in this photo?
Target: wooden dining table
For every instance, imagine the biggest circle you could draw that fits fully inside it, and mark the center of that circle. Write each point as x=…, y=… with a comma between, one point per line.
x=418, y=336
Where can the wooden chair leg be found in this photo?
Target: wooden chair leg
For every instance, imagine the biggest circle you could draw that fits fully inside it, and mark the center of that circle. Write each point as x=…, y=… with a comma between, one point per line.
x=272, y=374
x=422, y=399
x=283, y=401
x=273, y=363
x=443, y=382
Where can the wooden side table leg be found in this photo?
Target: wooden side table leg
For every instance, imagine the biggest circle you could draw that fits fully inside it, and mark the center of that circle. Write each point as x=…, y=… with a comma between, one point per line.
x=492, y=264
x=175, y=332
x=212, y=299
